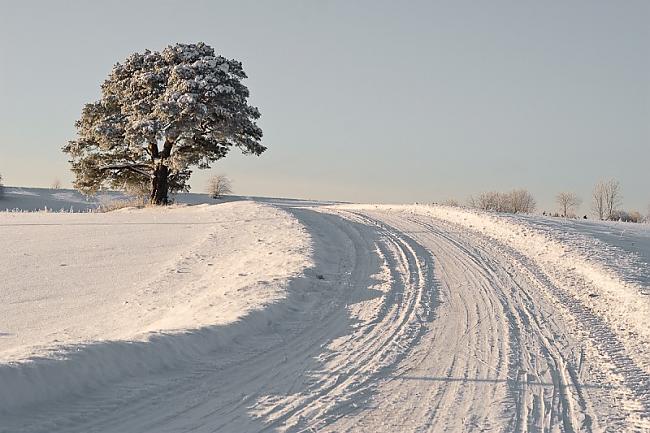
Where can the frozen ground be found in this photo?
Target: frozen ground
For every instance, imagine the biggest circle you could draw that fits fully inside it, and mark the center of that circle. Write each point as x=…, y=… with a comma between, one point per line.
x=297, y=316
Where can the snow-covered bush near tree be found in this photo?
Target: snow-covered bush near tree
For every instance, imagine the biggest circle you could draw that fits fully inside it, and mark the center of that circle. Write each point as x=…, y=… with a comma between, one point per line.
x=515, y=201
x=219, y=185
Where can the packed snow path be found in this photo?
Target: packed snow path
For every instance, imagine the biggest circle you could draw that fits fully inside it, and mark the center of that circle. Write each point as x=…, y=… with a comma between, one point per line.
x=406, y=322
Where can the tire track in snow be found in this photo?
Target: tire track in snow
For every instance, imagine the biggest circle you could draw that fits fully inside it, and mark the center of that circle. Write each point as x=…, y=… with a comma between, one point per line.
x=623, y=384
x=503, y=343
x=354, y=365
x=524, y=319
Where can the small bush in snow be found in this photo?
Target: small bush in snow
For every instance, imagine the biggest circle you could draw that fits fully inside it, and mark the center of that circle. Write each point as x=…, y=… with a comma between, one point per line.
x=515, y=201
x=112, y=205
x=627, y=216
x=139, y=189
x=219, y=186
x=451, y=202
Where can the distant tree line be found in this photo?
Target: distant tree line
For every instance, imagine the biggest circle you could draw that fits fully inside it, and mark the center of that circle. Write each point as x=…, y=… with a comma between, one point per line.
x=606, y=203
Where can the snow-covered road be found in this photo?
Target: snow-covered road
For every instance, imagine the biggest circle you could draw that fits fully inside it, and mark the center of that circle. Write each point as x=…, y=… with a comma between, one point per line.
x=405, y=319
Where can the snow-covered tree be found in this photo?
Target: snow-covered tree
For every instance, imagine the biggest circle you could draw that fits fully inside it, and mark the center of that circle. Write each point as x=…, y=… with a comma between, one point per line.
x=2, y=191
x=160, y=114
x=568, y=203
x=598, y=200
x=612, y=198
x=219, y=185
x=606, y=199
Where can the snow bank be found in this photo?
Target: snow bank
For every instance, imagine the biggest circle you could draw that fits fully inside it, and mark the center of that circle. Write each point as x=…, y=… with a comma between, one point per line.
x=86, y=299
x=623, y=248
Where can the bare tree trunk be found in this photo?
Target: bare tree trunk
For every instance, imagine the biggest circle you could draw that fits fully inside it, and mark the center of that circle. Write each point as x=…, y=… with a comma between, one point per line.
x=599, y=200
x=160, y=185
x=612, y=197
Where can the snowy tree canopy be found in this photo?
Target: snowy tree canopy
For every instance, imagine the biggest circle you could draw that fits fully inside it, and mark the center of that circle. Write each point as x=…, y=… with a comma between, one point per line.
x=160, y=114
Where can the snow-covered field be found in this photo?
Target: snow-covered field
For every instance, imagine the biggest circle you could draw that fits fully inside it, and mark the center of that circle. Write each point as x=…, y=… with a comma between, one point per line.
x=46, y=199
x=288, y=315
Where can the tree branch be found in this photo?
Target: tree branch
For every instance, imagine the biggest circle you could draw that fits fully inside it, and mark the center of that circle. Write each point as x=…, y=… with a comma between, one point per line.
x=137, y=168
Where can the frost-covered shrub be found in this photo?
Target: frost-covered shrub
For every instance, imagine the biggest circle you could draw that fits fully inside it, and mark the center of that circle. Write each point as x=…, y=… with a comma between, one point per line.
x=116, y=204
x=451, y=202
x=490, y=201
x=139, y=190
x=627, y=216
x=219, y=185
x=515, y=201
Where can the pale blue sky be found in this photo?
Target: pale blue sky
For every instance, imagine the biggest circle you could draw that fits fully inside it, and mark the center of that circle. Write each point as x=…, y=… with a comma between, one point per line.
x=364, y=100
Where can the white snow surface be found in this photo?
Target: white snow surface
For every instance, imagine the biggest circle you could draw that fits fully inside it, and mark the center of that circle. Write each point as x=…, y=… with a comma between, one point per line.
x=298, y=316
x=73, y=281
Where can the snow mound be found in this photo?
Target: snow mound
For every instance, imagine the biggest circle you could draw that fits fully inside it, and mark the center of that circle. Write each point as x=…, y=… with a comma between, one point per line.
x=94, y=297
